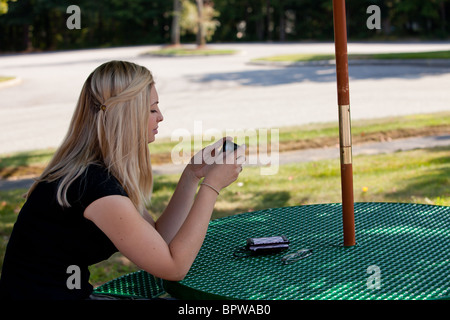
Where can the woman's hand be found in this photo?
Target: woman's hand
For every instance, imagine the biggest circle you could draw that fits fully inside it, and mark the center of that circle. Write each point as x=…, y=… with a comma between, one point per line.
x=219, y=169
x=226, y=168
x=201, y=162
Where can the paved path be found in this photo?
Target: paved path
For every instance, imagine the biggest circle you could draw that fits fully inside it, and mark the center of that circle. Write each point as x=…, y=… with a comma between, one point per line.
x=316, y=154
x=299, y=156
x=222, y=92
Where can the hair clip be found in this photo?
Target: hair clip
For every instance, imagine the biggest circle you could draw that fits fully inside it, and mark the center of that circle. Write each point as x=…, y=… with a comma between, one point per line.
x=102, y=107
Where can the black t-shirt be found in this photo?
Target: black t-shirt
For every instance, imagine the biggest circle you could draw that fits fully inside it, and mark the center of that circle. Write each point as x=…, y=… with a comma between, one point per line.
x=50, y=246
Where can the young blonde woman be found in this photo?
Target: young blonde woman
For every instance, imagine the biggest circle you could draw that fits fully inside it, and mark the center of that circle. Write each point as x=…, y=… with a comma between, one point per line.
x=91, y=199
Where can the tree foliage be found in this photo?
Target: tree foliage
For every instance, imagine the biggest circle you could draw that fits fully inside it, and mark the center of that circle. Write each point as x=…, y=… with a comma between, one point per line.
x=191, y=21
x=41, y=24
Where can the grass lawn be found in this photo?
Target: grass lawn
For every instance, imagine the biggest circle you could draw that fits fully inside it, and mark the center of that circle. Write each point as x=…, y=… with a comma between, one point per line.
x=376, y=56
x=290, y=138
x=185, y=51
x=3, y=78
x=419, y=176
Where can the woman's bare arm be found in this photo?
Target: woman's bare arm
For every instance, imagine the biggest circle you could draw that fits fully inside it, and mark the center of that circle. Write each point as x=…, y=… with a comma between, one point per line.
x=140, y=242
x=178, y=207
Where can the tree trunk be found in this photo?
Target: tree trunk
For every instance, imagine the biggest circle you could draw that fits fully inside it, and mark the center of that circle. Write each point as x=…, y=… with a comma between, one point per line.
x=443, y=18
x=282, y=22
x=201, y=37
x=269, y=20
x=27, y=44
x=175, y=32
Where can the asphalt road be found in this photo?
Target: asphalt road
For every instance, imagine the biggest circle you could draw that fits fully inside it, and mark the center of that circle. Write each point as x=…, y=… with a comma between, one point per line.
x=220, y=92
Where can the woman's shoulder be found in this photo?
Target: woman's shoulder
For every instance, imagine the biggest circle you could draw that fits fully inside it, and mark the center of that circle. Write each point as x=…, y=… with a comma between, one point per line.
x=98, y=174
x=97, y=181
x=97, y=170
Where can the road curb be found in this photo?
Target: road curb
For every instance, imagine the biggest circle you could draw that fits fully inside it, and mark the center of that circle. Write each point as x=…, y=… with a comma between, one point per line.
x=10, y=83
x=359, y=62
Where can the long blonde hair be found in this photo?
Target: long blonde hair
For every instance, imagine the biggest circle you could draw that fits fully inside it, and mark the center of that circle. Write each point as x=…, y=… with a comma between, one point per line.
x=109, y=127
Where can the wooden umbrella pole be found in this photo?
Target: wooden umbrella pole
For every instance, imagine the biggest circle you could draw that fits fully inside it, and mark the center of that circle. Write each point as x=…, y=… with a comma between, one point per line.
x=345, y=138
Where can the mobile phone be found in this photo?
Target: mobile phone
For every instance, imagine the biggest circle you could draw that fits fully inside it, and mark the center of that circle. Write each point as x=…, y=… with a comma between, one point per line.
x=267, y=244
x=229, y=145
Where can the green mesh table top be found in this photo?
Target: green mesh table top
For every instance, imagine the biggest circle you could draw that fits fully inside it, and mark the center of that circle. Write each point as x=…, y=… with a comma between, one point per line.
x=402, y=252
x=140, y=285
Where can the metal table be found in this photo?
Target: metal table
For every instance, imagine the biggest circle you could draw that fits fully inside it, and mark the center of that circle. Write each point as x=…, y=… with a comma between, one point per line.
x=402, y=253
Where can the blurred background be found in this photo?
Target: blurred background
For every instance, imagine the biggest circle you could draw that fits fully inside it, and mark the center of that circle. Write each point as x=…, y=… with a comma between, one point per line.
x=36, y=25
x=271, y=67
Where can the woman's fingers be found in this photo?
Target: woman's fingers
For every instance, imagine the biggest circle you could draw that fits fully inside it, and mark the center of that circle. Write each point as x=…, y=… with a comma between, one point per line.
x=240, y=154
x=237, y=156
x=208, y=154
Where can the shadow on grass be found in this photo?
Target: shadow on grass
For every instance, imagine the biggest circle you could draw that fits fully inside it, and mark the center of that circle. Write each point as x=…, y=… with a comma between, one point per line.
x=11, y=202
x=163, y=188
x=435, y=182
x=24, y=163
x=259, y=201
x=25, y=158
